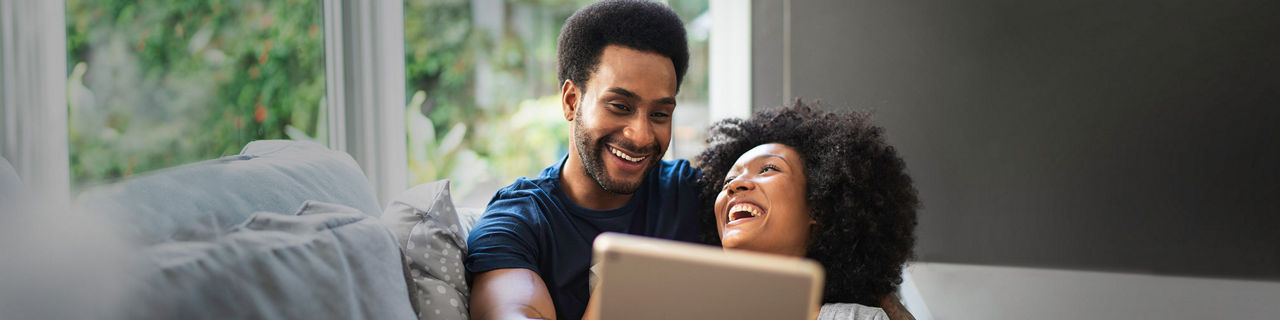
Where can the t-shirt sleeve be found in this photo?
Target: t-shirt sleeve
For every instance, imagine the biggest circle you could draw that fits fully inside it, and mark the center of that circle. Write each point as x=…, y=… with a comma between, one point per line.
x=687, y=175
x=505, y=237
x=684, y=207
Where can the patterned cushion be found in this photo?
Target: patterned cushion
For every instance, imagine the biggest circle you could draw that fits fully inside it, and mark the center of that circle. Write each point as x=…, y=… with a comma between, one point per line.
x=427, y=228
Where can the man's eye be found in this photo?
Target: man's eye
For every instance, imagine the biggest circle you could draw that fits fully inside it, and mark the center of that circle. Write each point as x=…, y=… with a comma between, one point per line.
x=621, y=107
x=659, y=115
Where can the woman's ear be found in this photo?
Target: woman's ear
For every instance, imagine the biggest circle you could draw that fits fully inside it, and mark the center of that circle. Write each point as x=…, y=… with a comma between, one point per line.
x=813, y=232
x=569, y=95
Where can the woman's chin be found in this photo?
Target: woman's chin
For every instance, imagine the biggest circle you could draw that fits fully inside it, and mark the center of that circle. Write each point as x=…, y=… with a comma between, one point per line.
x=739, y=241
x=735, y=240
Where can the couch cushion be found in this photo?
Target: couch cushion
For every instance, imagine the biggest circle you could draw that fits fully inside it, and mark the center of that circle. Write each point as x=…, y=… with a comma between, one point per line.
x=199, y=201
x=11, y=190
x=431, y=236
x=327, y=261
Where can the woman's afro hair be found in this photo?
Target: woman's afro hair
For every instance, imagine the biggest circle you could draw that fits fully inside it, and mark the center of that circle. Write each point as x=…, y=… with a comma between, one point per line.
x=857, y=188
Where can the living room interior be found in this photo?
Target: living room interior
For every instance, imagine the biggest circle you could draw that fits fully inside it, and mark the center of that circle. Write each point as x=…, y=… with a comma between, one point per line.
x=1083, y=159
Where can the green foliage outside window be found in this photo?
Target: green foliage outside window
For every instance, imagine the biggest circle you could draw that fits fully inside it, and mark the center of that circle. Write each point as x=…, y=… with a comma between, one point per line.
x=155, y=84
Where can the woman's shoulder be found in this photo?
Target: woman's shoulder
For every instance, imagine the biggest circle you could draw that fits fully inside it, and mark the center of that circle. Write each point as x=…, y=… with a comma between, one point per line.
x=843, y=311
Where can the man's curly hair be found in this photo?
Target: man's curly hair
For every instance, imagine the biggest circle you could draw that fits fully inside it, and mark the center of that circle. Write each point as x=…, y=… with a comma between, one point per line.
x=637, y=24
x=857, y=188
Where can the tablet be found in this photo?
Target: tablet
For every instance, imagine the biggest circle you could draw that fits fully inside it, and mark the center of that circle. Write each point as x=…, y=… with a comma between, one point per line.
x=648, y=278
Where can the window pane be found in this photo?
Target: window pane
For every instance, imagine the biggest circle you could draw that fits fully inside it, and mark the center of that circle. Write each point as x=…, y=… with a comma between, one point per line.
x=482, y=107
x=155, y=84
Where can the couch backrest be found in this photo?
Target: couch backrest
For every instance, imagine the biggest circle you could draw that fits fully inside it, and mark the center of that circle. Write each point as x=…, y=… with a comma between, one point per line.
x=199, y=201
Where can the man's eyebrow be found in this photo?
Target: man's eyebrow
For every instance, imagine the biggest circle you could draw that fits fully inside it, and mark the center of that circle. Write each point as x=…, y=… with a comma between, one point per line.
x=624, y=92
x=667, y=100
x=633, y=95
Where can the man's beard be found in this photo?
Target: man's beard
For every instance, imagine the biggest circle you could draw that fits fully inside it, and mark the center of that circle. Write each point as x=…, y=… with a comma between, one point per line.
x=593, y=162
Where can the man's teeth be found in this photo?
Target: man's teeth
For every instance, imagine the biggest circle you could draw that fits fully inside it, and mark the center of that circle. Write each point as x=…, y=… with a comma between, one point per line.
x=749, y=209
x=625, y=156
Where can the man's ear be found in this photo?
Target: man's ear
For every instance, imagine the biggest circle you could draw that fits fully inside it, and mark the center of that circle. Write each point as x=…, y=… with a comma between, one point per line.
x=569, y=95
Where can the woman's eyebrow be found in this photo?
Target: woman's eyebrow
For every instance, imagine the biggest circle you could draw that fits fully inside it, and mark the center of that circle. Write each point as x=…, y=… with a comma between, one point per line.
x=770, y=155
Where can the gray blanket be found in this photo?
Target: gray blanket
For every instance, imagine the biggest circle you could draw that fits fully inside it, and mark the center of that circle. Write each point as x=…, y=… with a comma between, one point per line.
x=327, y=262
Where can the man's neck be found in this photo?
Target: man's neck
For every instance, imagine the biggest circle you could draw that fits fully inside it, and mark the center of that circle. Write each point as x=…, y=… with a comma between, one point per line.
x=584, y=191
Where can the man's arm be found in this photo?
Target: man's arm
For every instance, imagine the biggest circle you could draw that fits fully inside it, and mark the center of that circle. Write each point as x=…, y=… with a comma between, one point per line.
x=892, y=307
x=512, y=293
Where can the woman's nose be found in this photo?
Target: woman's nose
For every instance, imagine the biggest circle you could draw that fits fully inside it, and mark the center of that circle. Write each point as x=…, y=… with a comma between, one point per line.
x=739, y=184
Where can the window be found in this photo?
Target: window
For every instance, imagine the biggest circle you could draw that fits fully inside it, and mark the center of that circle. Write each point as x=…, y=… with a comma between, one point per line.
x=159, y=84
x=135, y=86
x=482, y=94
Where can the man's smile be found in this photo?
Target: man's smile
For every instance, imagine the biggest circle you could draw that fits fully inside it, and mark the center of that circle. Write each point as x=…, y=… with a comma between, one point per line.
x=625, y=156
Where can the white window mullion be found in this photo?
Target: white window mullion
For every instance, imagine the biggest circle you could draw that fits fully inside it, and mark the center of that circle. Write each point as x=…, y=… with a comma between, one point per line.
x=33, y=95
x=370, y=124
x=729, y=61
x=334, y=84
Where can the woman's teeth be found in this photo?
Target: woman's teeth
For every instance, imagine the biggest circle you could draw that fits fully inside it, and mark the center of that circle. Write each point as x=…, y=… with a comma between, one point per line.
x=625, y=156
x=751, y=210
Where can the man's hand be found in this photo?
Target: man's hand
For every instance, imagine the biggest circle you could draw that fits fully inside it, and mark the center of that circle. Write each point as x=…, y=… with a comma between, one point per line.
x=593, y=305
x=510, y=294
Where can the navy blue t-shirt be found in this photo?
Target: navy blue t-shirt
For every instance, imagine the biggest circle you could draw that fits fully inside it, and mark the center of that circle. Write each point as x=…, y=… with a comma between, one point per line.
x=532, y=224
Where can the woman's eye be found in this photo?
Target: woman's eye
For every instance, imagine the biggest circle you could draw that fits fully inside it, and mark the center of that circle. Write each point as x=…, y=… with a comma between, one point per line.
x=727, y=180
x=768, y=167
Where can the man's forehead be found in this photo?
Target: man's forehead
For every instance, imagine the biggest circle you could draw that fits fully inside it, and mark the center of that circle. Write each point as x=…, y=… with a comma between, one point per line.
x=635, y=72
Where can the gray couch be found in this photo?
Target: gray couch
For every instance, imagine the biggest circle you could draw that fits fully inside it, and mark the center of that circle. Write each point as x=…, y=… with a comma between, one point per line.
x=285, y=230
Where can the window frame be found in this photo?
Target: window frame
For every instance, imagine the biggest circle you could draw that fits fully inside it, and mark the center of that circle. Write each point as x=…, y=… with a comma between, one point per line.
x=364, y=57
x=729, y=60
x=33, y=99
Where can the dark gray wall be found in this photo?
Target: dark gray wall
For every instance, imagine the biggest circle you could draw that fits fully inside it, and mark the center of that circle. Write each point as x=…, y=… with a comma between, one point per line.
x=1138, y=136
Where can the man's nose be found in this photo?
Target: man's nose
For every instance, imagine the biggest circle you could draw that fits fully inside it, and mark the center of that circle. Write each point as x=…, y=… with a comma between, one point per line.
x=640, y=132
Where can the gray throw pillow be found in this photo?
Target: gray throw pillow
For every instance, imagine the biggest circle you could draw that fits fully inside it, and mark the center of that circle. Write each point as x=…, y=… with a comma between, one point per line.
x=432, y=239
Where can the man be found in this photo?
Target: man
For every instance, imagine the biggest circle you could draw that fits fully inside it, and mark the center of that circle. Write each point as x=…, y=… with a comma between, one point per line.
x=620, y=66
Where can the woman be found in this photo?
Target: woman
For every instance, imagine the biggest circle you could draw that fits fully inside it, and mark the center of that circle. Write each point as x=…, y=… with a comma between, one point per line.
x=804, y=182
